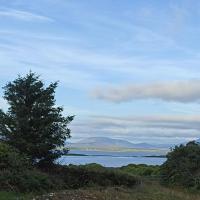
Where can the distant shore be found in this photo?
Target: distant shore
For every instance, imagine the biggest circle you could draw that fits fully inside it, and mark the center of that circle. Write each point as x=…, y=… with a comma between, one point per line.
x=150, y=156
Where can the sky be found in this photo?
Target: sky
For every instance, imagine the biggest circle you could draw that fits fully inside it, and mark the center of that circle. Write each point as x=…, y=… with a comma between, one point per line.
x=127, y=69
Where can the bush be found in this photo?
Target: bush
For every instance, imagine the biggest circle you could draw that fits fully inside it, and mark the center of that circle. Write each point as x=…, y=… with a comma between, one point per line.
x=141, y=170
x=17, y=174
x=25, y=181
x=11, y=159
x=80, y=176
x=182, y=166
x=92, y=166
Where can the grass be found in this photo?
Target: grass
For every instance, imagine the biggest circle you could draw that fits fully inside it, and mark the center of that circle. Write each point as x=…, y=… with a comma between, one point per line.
x=14, y=196
x=148, y=190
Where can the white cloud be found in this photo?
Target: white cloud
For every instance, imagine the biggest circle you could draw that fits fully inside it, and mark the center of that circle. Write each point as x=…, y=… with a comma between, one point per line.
x=3, y=104
x=155, y=129
x=183, y=122
x=23, y=15
x=177, y=91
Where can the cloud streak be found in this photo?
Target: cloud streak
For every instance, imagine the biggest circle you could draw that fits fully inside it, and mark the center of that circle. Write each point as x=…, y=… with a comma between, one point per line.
x=23, y=15
x=177, y=91
x=156, y=128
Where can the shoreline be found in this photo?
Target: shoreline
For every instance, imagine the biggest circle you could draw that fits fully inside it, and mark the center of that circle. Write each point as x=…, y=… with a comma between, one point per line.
x=97, y=155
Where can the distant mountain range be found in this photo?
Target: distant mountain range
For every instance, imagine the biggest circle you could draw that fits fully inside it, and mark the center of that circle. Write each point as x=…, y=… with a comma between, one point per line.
x=105, y=143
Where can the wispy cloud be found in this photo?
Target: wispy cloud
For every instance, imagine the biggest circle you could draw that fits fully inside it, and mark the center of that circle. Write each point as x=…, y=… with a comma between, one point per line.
x=23, y=15
x=182, y=122
x=177, y=91
x=44, y=52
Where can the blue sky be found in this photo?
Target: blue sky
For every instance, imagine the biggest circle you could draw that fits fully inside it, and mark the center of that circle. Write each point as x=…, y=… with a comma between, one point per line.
x=127, y=69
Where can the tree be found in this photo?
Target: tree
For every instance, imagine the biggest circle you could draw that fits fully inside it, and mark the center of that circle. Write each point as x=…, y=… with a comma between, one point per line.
x=33, y=124
x=183, y=166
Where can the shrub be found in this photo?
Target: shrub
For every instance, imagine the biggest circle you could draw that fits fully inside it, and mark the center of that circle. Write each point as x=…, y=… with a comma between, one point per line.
x=93, y=167
x=182, y=166
x=81, y=176
x=11, y=159
x=25, y=181
x=17, y=174
x=141, y=170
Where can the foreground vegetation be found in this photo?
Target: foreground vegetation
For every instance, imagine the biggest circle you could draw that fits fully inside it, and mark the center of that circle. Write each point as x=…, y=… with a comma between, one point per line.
x=20, y=180
x=16, y=174
x=93, y=181
x=148, y=190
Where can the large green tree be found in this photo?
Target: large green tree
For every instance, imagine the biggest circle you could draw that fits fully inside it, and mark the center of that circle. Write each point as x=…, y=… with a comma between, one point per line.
x=33, y=123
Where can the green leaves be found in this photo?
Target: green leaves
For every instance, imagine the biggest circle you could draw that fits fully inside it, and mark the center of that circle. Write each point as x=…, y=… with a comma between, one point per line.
x=33, y=124
x=182, y=166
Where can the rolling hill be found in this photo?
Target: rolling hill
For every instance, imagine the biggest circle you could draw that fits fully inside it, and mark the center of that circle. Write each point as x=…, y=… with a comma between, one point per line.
x=105, y=142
